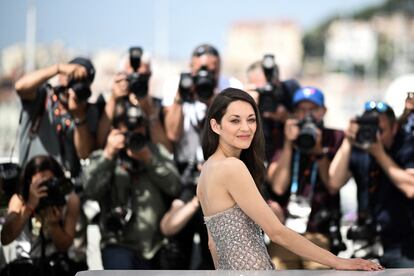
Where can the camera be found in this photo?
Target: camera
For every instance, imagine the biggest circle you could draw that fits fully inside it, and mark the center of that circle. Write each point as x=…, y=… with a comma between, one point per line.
x=270, y=95
x=137, y=83
x=117, y=218
x=190, y=174
x=203, y=83
x=366, y=237
x=308, y=128
x=9, y=176
x=57, y=190
x=367, y=131
x=80, y=87
x=132, y=116
x=330, y=220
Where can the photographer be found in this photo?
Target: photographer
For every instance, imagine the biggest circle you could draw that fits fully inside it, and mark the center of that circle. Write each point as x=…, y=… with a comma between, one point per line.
x=132, y=179
x=57, y=120
x=42, y=216
x=298, y=175
x=132, y=81
x=406, y=120
x=185, y=108
x=274, y=98
x=381, y=161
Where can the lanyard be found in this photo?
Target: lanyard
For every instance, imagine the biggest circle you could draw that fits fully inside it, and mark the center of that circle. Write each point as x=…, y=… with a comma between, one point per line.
x=295, y=177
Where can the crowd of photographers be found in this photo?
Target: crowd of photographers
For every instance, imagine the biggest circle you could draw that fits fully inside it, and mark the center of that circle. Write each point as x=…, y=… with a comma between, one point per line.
x=139, y=158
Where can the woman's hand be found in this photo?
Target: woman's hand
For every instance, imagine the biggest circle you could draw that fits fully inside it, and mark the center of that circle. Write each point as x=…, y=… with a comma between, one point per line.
x=36, y=192
x=357, y=264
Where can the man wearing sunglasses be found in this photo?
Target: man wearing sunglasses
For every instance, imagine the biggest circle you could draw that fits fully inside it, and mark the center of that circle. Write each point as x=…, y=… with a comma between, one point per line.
x=384, y=173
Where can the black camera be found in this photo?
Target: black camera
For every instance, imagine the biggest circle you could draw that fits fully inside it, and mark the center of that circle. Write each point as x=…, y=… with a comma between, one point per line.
x=132, y=116
x=80, y=87
x=203, y=83
x=9, y=177
x=270, y=95
x=57, y=190
x=330, y=219
x=367, y=131
x=117, y=218
x=365, y=235
x=190, y=174
x=137, y=83
x=308, y=132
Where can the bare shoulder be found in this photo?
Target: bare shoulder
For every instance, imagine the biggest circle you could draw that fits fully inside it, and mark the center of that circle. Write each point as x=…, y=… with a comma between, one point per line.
x=230, y=166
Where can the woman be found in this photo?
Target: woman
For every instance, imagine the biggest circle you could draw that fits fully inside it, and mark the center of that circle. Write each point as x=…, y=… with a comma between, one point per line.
x=42, y=214
x=234, y=210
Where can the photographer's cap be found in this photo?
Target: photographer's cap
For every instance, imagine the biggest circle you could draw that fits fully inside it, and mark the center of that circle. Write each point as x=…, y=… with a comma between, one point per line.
x=309, y=93
x=90, y=69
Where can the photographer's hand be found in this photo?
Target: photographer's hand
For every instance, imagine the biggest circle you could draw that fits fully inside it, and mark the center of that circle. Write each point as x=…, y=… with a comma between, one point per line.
x=36, y=192
x=115, y=142
x=73, y=71
x=291, y=130
x=351, y=131
x=120, y=86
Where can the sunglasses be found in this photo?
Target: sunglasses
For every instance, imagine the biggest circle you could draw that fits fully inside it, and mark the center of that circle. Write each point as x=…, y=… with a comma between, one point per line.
x=377, y=106
x=205, y=50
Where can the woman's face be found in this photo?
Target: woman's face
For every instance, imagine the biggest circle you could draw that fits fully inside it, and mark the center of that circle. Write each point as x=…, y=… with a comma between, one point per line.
x=42, y=176
x=238, y=125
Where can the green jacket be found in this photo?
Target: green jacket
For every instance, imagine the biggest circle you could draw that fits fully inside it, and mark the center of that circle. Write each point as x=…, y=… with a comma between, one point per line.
x=148, y=195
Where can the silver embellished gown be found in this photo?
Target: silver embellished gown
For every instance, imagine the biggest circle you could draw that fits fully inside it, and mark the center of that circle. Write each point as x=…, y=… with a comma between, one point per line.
x=239, y=241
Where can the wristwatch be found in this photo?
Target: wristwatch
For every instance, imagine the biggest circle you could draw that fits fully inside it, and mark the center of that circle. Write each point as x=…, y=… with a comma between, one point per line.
x=79, y=122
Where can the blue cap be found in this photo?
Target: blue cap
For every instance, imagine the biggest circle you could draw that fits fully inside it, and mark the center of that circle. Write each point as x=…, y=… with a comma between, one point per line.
x=309, y=93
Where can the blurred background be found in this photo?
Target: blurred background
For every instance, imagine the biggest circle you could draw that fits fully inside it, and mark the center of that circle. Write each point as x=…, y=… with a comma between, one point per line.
x=353, y=50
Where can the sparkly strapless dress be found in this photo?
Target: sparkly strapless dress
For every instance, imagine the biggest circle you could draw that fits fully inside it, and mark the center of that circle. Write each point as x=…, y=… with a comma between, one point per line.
x=239, y=241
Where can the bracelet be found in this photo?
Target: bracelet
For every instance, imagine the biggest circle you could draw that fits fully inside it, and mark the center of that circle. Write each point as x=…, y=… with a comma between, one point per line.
x=79, y=122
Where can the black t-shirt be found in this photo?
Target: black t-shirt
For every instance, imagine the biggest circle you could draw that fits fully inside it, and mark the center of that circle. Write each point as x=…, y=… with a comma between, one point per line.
x=378, y=195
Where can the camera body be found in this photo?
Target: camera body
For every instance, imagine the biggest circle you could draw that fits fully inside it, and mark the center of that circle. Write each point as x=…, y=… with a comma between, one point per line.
x=270, y=95
x=366, y=237
x=81, y=88
x=117, y=218
x=367, y=131
x=137, y=83
x=57, y=190
x=190, y=174
x=203, y=83
x=132, y=116
x=308, y=132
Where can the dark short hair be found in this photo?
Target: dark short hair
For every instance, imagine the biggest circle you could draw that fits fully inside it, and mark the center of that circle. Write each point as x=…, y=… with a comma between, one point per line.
x=37, y=164
x=87, y=63
x=205, y=49
x=254, y=155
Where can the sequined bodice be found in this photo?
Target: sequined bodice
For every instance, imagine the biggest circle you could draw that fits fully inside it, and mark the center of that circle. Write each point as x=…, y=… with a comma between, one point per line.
x=239, y=241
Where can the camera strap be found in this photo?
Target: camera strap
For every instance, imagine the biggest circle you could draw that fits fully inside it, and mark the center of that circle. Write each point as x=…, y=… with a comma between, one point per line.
x=294, y=187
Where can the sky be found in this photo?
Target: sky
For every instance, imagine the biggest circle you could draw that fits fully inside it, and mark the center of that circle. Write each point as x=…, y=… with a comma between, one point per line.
x=169, y=28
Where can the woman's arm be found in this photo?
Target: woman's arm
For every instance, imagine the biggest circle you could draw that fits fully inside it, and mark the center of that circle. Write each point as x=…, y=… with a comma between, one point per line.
x=178, y=216
x=62, y=235
x=245, y=193
x=17, y=216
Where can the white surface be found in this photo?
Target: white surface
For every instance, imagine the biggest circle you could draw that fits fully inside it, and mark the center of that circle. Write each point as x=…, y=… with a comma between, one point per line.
x=387, y=272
